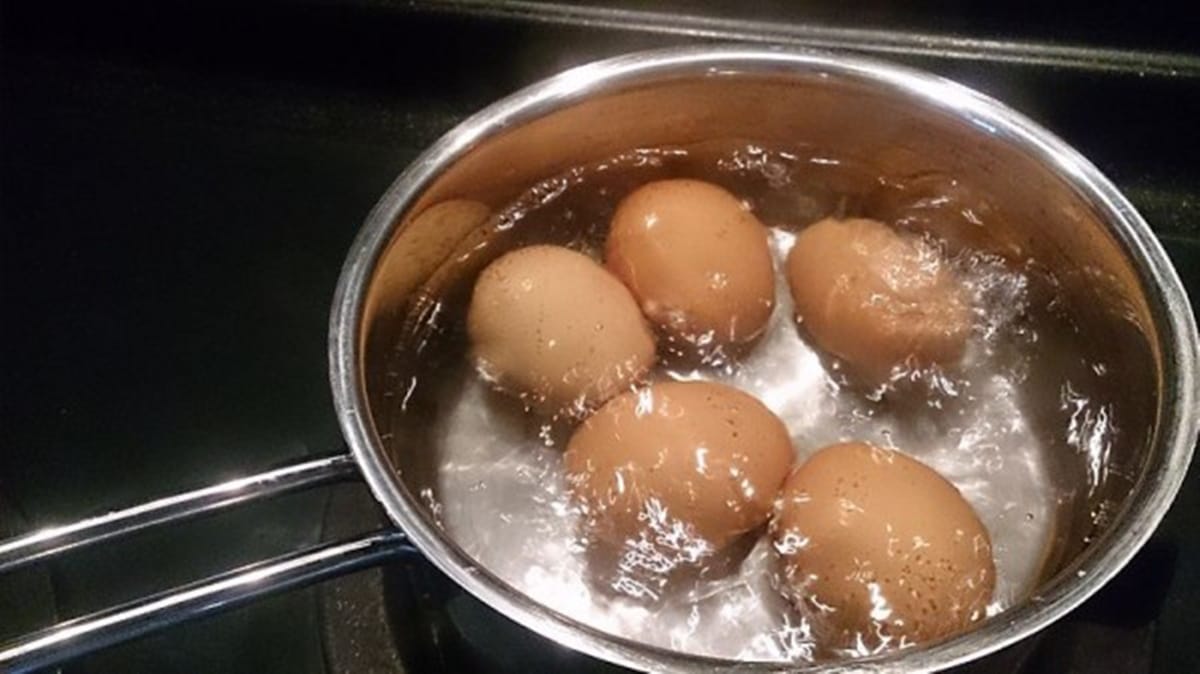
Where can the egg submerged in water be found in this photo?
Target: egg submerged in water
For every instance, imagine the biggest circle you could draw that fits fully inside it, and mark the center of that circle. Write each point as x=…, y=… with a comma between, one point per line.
x=553, y=327
x=880, y=549
x=690, y=464
x=698, y=262
x=877, y=298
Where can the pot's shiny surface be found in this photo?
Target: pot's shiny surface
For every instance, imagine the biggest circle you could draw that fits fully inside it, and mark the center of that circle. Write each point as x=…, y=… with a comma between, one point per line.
x=1054, y=207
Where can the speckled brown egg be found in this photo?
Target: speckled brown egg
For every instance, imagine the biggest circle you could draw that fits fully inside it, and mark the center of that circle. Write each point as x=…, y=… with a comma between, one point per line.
x=696, y=459
x=552, y=326
x=881, y=548
x=877, y=298
x=697, y=261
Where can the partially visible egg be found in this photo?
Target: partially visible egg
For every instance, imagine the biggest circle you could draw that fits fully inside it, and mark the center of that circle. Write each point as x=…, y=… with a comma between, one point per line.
x=694, y=462
x=552, y=326
x=877, y=298
x=697, y=261
x=882, y=549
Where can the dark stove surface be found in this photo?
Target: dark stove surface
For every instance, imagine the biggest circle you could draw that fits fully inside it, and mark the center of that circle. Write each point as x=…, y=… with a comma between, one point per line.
x=178, y=190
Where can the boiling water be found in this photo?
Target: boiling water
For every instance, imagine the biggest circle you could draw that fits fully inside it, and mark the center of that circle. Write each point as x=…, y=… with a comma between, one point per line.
x=501, y=493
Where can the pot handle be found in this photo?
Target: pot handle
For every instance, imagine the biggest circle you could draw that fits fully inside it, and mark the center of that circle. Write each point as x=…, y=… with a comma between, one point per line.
x=78, y=636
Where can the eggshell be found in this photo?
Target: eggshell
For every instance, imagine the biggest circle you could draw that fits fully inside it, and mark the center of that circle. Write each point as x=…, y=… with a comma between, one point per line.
x=697, y=261
x=881, y=548
x=696, y=459
x=877, y=298
x=552, y=326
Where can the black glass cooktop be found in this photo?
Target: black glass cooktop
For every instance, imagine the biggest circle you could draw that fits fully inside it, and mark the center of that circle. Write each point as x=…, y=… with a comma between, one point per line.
x=177, y=192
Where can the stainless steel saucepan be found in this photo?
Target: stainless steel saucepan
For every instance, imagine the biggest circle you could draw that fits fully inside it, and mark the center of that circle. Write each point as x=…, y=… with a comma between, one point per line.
x=1056, y=210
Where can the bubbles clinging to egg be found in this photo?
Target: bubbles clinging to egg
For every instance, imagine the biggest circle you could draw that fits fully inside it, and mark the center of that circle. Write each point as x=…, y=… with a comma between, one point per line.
x=697, y=260
x=876, y=297
x=533, y=334
x=880, y=548
x=690, y=464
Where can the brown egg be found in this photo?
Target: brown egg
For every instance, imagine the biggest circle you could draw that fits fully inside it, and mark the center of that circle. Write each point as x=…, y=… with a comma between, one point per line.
x=697, y=261
x=551, y=325
x=876, y=297
x=704, y=456
x=882, y=548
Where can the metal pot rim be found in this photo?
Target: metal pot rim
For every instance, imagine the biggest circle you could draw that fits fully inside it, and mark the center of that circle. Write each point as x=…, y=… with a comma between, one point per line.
x=1177, y=422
